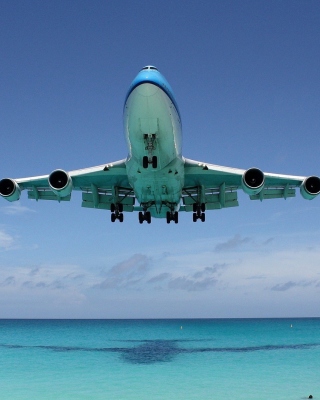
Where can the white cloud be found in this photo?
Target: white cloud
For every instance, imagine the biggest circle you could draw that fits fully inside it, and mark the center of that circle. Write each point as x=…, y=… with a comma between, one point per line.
x=6, y=240
x=127, y=273
x=288, y=285
x=232, y=243
x=53, y=277
x=16, y=209
x=249, y=280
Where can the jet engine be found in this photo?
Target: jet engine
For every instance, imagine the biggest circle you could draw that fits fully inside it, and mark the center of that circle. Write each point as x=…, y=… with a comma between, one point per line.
x=9, y=189
x=310, y=187
x=253, y=181
x=60, y=183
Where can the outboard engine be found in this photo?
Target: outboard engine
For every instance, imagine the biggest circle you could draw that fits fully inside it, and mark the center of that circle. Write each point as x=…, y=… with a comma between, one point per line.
x=253, y=181
x=60, y=183
x=310, y=187
x=9, y=189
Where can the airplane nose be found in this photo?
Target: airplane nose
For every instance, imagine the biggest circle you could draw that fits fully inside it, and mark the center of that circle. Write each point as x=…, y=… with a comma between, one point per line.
x=147, y=89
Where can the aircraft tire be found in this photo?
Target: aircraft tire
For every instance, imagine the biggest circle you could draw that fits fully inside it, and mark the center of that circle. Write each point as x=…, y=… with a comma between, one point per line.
x=154, y=162
x=145, y=162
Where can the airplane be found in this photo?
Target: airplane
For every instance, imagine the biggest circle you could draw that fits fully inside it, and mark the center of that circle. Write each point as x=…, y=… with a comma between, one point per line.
x=155, y=173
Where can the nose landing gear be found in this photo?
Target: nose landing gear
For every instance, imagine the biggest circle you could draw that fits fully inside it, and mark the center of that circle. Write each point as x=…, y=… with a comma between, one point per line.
x=146, y=161
x=150, y=140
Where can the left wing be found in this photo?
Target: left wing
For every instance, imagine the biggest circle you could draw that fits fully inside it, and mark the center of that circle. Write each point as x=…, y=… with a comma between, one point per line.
x=215, y=186
x=101, y=186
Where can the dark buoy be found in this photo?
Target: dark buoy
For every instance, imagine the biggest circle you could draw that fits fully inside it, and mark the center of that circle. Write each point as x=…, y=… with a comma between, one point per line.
x=310, y=397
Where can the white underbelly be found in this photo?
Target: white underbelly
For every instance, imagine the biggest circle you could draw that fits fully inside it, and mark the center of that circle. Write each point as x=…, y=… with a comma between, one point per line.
x=149, y=111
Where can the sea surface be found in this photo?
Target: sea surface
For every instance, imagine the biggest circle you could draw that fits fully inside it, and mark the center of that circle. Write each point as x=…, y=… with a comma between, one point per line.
x=160, y=359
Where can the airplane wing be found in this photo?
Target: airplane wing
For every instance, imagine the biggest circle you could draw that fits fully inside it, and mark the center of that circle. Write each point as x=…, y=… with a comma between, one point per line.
x=101, y=186
x=216, y=186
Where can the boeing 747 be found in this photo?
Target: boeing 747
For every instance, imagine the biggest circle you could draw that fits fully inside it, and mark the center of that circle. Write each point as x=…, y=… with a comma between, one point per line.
x=155, y=179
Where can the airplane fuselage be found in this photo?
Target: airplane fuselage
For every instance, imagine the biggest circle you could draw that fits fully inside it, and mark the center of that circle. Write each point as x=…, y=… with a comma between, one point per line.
x=152, y=127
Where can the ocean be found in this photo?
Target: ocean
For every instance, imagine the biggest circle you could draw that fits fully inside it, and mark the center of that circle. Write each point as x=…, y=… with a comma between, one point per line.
x=172, y=359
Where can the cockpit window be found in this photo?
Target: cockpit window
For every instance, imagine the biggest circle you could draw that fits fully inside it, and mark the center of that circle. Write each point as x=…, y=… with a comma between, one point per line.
x=149, y=67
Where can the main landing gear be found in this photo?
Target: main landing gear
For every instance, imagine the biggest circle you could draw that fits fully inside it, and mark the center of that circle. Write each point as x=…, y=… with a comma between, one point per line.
x=172, y=216
x=199, y=212
x=116, y=212
x=145, y=216
x=146, y=161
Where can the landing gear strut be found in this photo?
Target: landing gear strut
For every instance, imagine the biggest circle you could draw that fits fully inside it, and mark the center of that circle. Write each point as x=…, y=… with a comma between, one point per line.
x=145, y=216
x=116, y=212
x=199, y=212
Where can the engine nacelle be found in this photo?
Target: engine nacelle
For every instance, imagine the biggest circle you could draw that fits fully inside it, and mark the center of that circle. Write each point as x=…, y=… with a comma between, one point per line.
x=60, y=183
x=253, y=181
x=310, y=187
x=9, y=189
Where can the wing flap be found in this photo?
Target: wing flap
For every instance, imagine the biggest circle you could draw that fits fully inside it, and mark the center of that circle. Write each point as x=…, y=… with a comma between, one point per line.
x=270, y=193
x=103, y=201
x=46, y=195
x=213, y=201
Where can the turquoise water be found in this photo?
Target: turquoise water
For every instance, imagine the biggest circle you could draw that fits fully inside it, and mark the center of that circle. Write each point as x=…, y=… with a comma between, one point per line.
x=160, y=359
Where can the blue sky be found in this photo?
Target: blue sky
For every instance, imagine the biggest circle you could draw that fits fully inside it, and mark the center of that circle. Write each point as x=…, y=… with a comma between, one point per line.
x=246, y=78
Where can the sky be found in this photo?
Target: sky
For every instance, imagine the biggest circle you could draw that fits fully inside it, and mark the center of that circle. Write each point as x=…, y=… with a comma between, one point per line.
x=246, y=79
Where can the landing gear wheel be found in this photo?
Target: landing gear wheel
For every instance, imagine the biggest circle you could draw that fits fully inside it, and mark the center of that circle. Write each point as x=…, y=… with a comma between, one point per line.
x=154, y=162
x=168, y=217
x=121, y=217
x=145, y=216
x=175, y=217
x=120, y=207
x=113, y=217
x=145, y=162
x=199, y=212
x=112, y=208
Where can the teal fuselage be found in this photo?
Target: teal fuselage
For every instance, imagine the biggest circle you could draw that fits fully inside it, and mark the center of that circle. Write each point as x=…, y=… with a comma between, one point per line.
x=152, y=127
